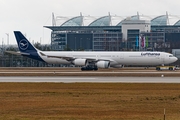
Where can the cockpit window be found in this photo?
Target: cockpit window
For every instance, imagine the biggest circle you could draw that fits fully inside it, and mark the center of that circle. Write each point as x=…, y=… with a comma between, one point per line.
x=170, y=55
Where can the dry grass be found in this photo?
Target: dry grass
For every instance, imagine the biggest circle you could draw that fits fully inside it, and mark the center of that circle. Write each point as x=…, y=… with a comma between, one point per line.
x=89, y=101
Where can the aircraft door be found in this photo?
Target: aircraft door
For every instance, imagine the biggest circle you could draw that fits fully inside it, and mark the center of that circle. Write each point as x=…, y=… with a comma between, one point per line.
x=121, y=56
x=162, y=58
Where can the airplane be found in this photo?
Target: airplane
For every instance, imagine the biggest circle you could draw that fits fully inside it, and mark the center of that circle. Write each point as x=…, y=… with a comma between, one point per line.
x=92, y=60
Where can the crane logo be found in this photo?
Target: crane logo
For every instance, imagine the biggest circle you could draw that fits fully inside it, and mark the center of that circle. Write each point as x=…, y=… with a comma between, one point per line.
x=23, y=44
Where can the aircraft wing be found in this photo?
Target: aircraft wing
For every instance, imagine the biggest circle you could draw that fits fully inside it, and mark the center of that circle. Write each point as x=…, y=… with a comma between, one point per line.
x=62, y=57
x=68, y=58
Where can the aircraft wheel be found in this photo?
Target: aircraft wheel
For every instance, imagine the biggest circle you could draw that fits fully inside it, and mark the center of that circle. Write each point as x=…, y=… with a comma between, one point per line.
x=95, y=68
x=170, y=68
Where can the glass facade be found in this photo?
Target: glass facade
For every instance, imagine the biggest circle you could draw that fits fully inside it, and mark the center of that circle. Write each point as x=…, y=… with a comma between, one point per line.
x=103, y=21
x=177, y=23
x=154, y=40
x=110, y=20
x=161, y=39
x=160, y=20
x=105, y=34
x=76, y=21
x=97, y=41
x=107, y=41
x=79, y=41
x=120, y=23
x=58, y=40
x=131, y=39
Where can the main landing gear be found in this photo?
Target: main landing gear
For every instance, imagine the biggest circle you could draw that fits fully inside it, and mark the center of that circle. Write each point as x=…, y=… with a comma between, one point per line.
x=89, y=67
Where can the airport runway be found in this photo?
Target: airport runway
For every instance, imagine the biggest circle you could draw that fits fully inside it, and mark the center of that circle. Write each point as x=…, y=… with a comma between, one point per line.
x=60, y=72
x=93, y=73
x=93, y=79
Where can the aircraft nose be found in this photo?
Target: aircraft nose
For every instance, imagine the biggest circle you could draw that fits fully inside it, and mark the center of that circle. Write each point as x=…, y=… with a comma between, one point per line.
x=175, y=59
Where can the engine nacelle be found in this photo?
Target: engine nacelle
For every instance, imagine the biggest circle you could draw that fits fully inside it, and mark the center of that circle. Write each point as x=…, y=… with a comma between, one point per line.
x=103, y=64
x=80, y=62
x=117, y=66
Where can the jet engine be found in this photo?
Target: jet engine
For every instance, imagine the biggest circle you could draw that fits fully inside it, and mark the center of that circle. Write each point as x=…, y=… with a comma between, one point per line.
x=117, y=66
x=80, y=62
x=103, y=64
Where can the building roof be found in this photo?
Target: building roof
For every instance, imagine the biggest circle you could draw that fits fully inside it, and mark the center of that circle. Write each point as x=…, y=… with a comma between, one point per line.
x=114, y=20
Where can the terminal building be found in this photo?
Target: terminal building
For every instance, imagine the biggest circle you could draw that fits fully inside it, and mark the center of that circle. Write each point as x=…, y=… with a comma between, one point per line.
x=115, y=33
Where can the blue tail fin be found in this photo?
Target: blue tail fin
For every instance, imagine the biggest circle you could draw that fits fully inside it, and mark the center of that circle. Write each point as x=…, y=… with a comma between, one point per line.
x=24, y=45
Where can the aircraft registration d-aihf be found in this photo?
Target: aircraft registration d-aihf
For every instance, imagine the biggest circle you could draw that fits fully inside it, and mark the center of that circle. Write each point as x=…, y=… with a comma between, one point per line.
x=92, y=60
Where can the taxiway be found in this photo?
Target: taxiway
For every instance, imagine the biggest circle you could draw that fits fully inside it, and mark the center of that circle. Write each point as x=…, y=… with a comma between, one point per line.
x=92, y=79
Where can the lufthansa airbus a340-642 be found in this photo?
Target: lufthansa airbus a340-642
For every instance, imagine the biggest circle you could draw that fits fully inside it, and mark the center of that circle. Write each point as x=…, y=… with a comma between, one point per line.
x=92, y=60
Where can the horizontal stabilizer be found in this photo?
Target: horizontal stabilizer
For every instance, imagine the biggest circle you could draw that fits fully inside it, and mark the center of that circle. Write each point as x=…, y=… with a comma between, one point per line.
x=16, y=53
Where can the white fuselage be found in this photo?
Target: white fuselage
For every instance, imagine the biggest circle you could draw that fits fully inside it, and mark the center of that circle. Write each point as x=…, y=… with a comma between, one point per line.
x=115, y=58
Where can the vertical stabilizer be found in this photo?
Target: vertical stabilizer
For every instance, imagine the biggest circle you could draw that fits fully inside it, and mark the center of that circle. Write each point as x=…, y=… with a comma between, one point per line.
x=23, y=44
x=25, y=47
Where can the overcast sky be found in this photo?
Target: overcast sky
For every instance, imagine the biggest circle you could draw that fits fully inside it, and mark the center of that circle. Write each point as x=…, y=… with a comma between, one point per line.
x=29, y=16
